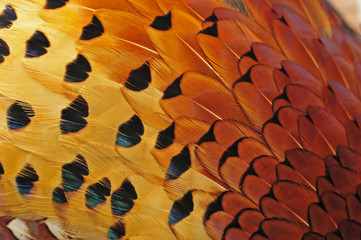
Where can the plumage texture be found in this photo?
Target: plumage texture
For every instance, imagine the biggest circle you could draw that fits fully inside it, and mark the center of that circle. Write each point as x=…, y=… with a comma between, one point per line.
x=183, y=119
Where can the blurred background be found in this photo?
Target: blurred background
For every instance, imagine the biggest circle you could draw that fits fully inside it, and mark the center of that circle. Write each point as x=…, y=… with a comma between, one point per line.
x=351, y=12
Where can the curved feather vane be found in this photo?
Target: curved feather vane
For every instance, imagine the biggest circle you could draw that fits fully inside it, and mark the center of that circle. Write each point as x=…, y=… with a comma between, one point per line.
x=182, y=119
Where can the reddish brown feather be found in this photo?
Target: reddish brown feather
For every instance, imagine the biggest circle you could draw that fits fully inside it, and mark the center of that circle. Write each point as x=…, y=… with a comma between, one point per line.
x=313, y=236
x=295, y=196
x=353, y=207
x=298, y=74
x=335, y=206
x=265, y=168
x=298, y=24
x=280, y=229
x=232, y=172
x=312, y=139
x=258, y=237
x=196, y=104
x=267, y=55
x=217, y=224
x=204, y=7
x=256, y=106
x=292, y=5
x=236, y=233
x=285, y=172
x=346, y=98
x=301, y=97
x=333, y=106
x=324, y=185
x=249, y=220
x=262, y=78
x=324, y=122
x=245, y=63
x=345, y=180
x=230, y=32
x=353, y=133
x=333, y=236
x=233, y=168
x=288, y=116
x=349, y=158
x=262, y=12
x=226, y=133
x=350, y=230
x=294, y=49
x=320, y=221
x=250, y=28
x=223, y=59
x=307, y=164
x=279, y=103
x=234, y=202
x=254, y=187
x=281, y=79
x=279, y=139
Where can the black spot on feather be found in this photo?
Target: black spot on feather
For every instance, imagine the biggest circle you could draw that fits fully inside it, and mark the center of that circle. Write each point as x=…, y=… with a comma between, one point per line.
x=7, y=16
x=211, y=31
x=72, y=117
x=77, y=71
x=19, y=114
x=179, y=164
x=209, y=136
x=163, y=22
x=245, y=77
x=166, y=137
x=59, y=196
x=4, y=50
x=53, y=4
x=215, y=206
x=139, y=79
x=130, y=132
x=122, y=200
x=97, y=192
x=36, y=45
x=92, y=30
x=181, y=209
x=250, y=54
x=25, y=179
x=174, y=89
x=282, y=19
x=2, y=171
x=117, y=231
x=72, y=174
x=211, y=18
x=232, y=151
x=283, y=70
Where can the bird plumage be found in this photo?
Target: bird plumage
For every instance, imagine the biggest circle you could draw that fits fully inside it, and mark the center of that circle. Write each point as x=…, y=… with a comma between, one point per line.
x=182, y=119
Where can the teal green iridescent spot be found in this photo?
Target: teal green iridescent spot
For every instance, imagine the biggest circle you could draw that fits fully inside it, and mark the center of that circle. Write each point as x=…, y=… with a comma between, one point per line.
x=93, y=197
x=112, y=234
x=72, y=174
x=71, y=180
x=181, y=209
x=25, y=179
x=59, y=196
x=120, y=205
x=122, y=199
x=96, y=193
x=116, y=231
x=127, y=141
x=129, y=132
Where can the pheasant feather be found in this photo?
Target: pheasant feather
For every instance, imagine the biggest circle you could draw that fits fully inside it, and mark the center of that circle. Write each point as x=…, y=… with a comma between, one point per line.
x=182, y=119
